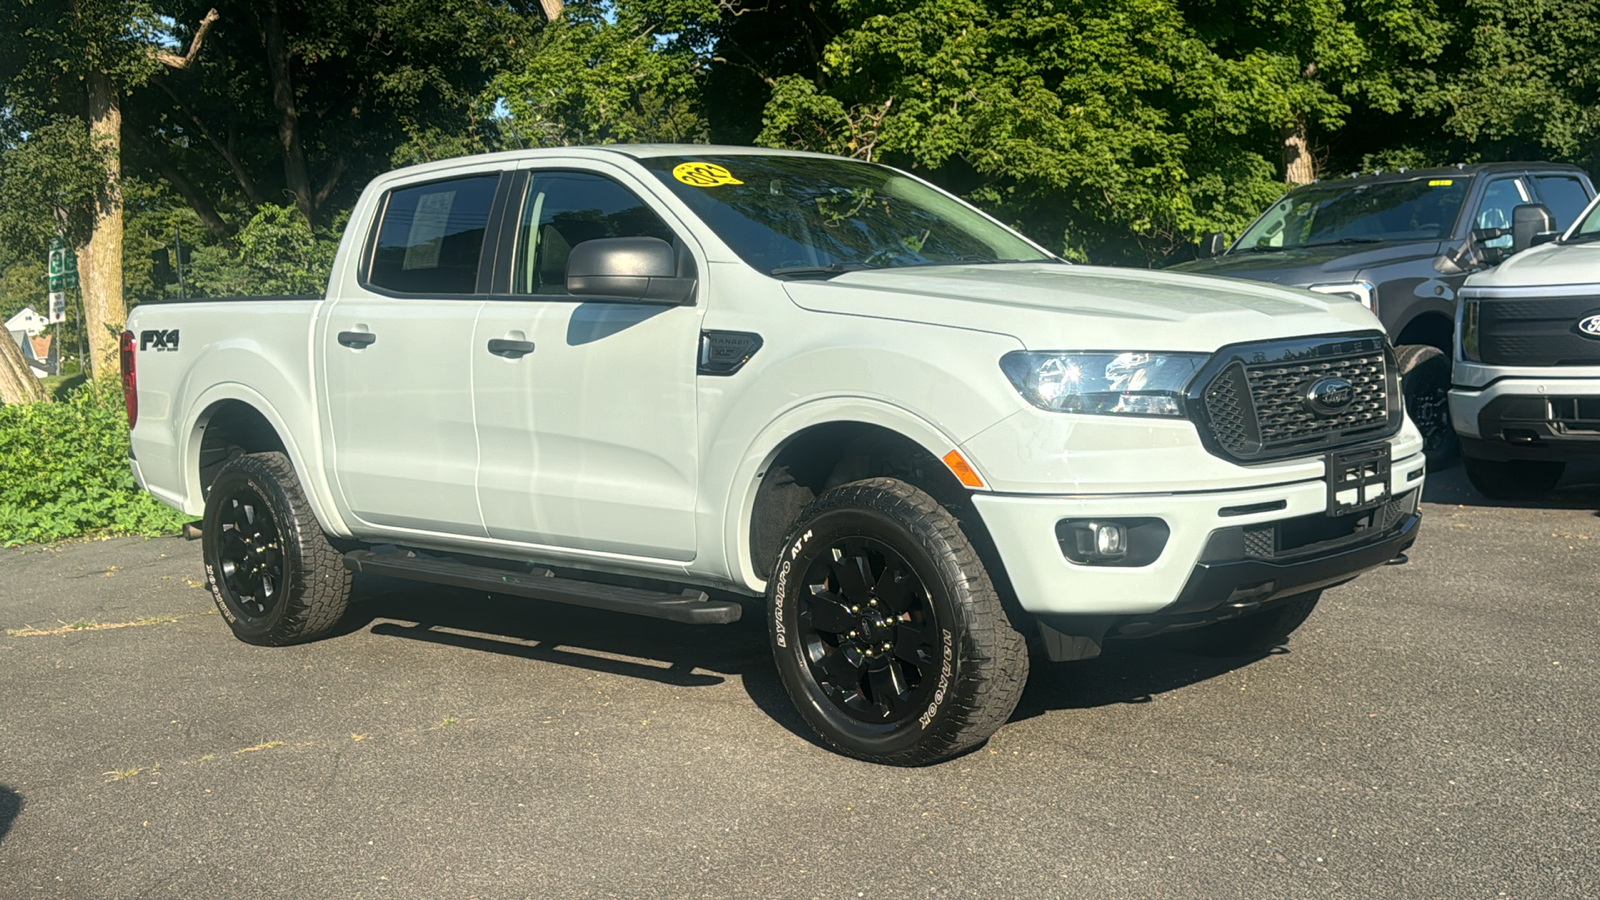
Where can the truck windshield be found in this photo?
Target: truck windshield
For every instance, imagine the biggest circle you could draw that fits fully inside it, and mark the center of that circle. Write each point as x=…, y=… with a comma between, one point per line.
x=1588, y=227
x=800, y=217
x=1344, y=213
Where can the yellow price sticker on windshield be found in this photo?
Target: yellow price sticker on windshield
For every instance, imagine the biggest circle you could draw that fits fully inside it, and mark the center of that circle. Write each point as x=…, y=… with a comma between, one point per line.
x=1442, y=182
x=703, y=174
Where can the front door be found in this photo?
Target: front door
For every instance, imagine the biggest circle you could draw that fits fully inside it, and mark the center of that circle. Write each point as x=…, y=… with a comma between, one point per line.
x=397, y=357
x=585, y=409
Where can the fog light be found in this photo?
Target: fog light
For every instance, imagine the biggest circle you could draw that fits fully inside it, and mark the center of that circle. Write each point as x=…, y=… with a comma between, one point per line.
x=1099, y=541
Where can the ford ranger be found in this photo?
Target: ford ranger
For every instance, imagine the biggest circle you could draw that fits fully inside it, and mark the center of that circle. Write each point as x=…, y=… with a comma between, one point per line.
x=670, y=380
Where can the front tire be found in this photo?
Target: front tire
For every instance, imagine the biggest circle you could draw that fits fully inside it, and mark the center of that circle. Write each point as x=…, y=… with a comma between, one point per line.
x=1515, y=479
x=1425, y=382
x=274, y=576
x=886, y=628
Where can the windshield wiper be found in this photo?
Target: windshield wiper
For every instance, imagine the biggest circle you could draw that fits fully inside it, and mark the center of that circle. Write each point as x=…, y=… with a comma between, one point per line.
x=1263, y=248
x=1345, y=240
x=1584, y=238
x=827, y=271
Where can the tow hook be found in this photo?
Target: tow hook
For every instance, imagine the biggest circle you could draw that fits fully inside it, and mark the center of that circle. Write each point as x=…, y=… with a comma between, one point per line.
x=1399, y=560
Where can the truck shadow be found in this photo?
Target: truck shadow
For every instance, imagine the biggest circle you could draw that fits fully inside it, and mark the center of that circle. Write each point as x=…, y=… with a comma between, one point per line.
x=708, y=655
x=1579, y=489
x=10, y=808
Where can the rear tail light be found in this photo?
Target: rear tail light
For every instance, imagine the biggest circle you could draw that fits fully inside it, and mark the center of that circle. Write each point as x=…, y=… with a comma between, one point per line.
x=130, y=379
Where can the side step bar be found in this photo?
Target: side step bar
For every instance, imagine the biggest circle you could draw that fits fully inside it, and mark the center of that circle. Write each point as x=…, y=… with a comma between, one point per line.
x=691, y=606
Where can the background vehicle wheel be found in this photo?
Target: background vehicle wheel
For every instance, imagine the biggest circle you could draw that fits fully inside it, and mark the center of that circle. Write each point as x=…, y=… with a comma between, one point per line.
x=273, y=574
x=1425, y=382
x=886, y=629
x=1517, y=479
x=1254, y=634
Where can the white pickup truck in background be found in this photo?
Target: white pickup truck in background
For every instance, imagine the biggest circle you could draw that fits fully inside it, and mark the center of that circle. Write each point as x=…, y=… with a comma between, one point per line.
x=1525, y=398
x=670, y=380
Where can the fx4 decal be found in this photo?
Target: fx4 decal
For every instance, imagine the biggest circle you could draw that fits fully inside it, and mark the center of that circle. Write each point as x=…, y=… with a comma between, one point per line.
x=158, y=340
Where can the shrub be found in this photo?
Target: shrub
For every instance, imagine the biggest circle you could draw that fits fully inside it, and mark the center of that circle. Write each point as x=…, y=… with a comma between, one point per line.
x=64, y=471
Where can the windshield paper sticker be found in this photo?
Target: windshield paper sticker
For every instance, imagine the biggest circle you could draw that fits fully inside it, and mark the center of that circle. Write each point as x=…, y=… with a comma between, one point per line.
x=703, y=174
x=1441, y=182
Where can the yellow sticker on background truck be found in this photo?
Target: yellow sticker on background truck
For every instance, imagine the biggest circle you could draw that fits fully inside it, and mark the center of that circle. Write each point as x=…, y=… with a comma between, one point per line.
x=703, y=174
x=1440, y=182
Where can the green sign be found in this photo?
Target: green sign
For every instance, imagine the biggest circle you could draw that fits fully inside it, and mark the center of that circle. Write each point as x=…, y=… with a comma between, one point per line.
x=63, y=266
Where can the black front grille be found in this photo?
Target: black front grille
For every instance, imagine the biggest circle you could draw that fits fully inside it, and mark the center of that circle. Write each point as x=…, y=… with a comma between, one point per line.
x=1537, y=332
x=1258, y=405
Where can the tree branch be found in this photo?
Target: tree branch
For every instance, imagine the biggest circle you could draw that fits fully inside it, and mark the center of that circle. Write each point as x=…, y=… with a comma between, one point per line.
x=197, y=200
x=174, y=61
x=251, y=192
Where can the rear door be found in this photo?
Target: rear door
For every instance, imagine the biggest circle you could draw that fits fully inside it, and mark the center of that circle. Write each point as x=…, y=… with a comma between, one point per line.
x=397, y=356
x=586, y=408
x=1564, y=194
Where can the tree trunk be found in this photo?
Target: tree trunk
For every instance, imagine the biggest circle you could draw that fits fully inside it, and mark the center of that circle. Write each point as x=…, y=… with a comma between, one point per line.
x=17, y=384
x=1298, y=166
x=296, y=176
x=100, y=260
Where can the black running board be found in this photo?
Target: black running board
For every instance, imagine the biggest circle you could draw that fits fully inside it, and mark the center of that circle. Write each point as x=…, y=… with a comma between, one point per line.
x=691, y=606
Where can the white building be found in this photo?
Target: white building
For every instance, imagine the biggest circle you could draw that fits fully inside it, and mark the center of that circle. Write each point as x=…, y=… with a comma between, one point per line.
x=28, y=322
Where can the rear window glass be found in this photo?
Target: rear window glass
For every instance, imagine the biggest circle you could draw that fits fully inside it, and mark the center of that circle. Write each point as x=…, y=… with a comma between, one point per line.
x=431, y=236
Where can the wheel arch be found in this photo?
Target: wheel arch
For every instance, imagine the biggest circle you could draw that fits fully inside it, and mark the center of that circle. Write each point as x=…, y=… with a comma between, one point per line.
x=819, y=446
x=1430, y=328
x=230, y=420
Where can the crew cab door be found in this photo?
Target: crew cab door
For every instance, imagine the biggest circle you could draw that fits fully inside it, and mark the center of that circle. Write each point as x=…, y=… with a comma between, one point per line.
x=585, y=406
x=397, y=349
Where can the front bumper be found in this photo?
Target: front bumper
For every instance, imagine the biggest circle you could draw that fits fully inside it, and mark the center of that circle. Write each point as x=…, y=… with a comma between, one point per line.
x=1556, y=419
x=1196, y=569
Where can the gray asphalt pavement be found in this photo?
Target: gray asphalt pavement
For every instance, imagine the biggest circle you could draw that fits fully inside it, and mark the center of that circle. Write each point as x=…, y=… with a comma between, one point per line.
x=1429, y=733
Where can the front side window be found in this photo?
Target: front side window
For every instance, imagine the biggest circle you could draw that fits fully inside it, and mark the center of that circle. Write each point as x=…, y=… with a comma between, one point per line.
x=430, y=237
x=1564, y=196
x=564, y=209
x=1345, y=213
x=803, y=216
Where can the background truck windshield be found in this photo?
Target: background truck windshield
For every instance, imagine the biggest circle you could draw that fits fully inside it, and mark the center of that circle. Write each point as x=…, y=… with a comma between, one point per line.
x=1422, y=209
x=1588, y=229
x=799, y=216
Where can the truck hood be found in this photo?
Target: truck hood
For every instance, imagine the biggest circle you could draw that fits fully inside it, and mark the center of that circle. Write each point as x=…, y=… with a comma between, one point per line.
x=1050, y=306
x=1309, y=265
x=1547, y=264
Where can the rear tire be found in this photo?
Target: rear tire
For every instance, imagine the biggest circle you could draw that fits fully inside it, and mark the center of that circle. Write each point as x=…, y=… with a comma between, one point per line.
x=274, y=576
x=887, y=630
x=1425, y=382
x=1255, y=634
x=1516, y=479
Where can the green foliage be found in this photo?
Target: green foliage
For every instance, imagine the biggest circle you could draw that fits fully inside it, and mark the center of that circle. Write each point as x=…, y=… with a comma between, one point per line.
x=275, y=253
x=64, y=471
x=610, y=71
x=50, y=185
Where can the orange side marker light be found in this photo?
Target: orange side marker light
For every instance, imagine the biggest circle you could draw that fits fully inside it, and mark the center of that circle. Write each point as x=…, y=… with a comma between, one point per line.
x=962, y=469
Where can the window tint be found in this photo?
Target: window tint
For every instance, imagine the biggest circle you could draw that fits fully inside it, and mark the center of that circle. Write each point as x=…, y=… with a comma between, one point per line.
x=1564, y=195
x=564, y=209
x=431, y=237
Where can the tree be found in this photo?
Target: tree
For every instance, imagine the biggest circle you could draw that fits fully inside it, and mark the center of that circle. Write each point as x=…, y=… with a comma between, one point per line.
x=71, y=61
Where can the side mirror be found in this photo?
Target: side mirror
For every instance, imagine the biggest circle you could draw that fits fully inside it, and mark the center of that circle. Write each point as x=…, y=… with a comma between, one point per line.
x=1530, y=222
x=642, y=269
x=1213, y=244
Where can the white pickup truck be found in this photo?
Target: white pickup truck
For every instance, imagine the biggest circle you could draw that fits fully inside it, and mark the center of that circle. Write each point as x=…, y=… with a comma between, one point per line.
x=1525, y=398
x=669, y=380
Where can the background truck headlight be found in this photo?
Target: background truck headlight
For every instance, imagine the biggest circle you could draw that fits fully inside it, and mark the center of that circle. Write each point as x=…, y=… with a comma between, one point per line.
x=1355, y=290
x=1132, y=383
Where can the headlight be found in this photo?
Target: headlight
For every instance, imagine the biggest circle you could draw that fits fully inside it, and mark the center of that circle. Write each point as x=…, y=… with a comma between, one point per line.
x=1468, y=328
x=1361, y=291
x=1138, y=384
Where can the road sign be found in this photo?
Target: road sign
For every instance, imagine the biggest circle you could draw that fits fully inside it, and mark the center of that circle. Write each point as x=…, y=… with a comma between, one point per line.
x=58, y=307
x=63, y=266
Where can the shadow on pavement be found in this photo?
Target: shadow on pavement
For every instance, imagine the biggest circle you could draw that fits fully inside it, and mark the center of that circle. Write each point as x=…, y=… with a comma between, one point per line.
x=701, y=656
x=1579, y=489
x=10, y=808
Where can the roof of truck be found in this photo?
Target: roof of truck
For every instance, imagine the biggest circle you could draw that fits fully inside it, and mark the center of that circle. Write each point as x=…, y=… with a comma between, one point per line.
x=1385, y=176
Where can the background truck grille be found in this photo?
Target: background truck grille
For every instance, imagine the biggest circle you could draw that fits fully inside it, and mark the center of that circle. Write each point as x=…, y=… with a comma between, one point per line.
x=1537, y=332
x=1256, y=406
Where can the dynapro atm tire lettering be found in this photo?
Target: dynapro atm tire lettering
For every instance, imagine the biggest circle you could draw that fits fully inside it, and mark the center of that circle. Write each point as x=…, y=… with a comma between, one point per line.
x=781, y=635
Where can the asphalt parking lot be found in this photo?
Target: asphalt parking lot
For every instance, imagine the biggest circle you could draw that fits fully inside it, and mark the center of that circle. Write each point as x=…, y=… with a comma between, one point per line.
x=1430, y=732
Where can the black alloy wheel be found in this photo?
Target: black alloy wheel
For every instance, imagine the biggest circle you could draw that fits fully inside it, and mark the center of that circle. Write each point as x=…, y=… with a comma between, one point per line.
x=274, y=576
x=868, y=631
x=886, y=629
x=249, y=555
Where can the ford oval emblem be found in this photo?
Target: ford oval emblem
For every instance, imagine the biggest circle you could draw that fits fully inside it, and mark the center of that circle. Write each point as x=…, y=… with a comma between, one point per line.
x=1590, y=327
x=1330, y=396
